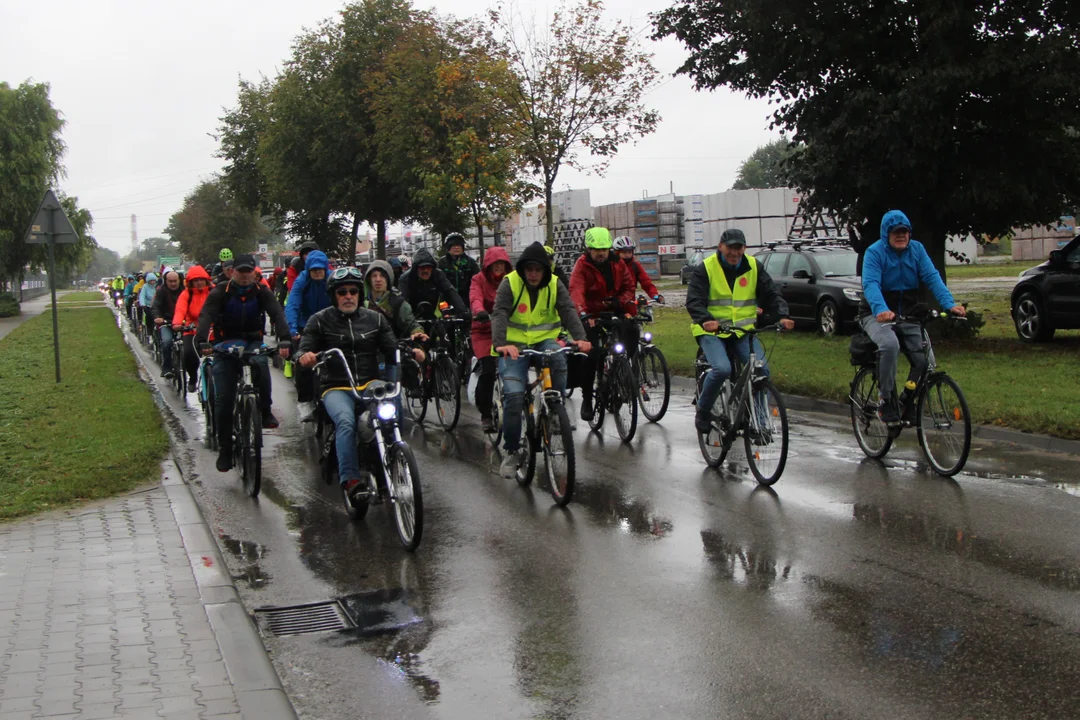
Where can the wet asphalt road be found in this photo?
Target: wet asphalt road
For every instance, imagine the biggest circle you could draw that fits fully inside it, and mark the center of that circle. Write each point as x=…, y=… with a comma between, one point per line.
x=855, y=590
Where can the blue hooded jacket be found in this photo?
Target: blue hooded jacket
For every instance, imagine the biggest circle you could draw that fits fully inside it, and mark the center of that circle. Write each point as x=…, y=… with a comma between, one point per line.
x=146, y=294
x=890, y=278
x=307, y=296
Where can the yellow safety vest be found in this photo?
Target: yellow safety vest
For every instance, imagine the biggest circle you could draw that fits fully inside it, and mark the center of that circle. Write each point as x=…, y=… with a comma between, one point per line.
x=528, y=326
x=736, y=306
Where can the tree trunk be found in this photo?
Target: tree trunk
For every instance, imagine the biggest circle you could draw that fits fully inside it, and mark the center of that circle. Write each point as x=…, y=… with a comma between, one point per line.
x=352, y=238
x=548, y=211
x=380, y=239
x=478, y=218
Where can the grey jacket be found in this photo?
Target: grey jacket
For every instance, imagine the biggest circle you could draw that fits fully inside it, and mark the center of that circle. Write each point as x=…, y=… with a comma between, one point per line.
x=504, y=305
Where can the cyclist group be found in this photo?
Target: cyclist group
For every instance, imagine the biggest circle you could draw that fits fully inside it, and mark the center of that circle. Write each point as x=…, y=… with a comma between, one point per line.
x=530, y=306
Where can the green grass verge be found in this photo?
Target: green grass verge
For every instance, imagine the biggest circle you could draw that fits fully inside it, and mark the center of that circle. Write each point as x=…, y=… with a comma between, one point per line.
x=985, y=270
x=1006, y=382
x=81, y=297
x=95, y=434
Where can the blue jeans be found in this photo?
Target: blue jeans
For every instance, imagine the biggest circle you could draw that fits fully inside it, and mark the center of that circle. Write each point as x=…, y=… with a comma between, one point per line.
x=165, y=338
x=226, y=375
x=515, y=374
x=716, y=354
x=341, y=406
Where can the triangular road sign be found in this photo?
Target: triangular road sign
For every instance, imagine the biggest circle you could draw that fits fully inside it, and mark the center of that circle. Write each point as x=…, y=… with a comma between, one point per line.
x=62, y=231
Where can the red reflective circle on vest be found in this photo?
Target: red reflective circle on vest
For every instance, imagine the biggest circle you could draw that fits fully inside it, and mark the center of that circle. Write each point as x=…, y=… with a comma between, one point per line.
x=523, y=308
x=742, y=282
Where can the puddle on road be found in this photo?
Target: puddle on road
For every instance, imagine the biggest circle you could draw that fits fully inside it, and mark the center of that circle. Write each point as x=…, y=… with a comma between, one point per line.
x=610, y=505
x=250, y=554
x=754, y=566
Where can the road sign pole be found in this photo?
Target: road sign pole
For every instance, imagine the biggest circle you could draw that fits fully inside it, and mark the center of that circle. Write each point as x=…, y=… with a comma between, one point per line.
x=52, y=286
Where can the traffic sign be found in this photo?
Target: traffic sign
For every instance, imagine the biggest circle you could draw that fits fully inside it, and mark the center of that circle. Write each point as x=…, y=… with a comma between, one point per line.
x=51, y=220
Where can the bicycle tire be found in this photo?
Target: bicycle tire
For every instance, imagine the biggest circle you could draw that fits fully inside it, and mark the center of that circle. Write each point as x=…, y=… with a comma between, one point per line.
x=624, y=401
x=527, y=470
x=447, y=393
x=496, y=412
x=767, y=405
x=209, y=417
x=944, y=414
x=557, y=440
x=711, y=444
x=178, y=379
x=871, y=434
x=650, y=360
x=325, y=437
x=416, y=399
x=598, y=397
x=251, y=444
x=408, y=499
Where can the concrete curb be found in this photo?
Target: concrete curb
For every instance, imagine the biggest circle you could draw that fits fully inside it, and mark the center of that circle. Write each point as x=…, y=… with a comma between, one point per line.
x=990, y=433
x=258, y=688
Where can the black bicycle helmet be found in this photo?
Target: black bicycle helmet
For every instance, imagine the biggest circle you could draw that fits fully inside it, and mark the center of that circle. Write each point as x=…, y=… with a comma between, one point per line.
x=453, y=239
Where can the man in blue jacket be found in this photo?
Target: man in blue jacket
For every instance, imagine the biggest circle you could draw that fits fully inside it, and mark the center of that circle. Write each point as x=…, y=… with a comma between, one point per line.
x=307, y=297
x=893, y=269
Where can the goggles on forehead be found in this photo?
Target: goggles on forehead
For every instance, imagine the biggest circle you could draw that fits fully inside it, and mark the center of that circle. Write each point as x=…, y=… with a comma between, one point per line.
x=344, y=273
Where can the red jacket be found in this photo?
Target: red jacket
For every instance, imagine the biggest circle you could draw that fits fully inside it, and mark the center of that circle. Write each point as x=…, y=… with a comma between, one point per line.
x=638, y=273
x=589, y=290
x=482, y=299
x=190, y=302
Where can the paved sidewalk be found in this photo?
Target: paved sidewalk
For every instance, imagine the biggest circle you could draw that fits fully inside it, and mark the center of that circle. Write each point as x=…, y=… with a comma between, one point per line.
x=30, y=308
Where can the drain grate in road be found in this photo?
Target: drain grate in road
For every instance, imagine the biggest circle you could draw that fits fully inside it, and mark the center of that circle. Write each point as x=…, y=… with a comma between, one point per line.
x=302, y=619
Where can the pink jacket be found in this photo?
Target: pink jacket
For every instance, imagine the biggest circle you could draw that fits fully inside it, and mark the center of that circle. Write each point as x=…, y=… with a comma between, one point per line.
x=482, y=299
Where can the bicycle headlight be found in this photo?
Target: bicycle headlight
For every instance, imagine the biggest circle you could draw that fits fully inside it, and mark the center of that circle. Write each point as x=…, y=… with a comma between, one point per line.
x=648, y=337
x=387, y=411
x=618, y=347
x=853, y=294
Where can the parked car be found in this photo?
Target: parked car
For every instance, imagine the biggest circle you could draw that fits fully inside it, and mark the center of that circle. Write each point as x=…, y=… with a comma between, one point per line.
x=692, y=262
x=1047, y=297
x=818, y=280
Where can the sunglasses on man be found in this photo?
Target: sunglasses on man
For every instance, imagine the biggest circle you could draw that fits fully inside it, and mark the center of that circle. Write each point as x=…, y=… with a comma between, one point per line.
x=342, y=292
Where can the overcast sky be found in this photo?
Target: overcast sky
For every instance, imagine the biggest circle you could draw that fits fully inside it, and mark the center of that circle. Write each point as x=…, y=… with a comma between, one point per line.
x=142, y=85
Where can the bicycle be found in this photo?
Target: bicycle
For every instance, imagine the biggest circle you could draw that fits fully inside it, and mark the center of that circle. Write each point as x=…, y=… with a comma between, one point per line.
x=155, y=344
x=650, y=369
x=615, y=387
x=438, y=377
x=377, y=413
x=942, y=419
x=176, y=349
x=207, y=399
x=546, y=428
x=751, y=407
x=247, y=417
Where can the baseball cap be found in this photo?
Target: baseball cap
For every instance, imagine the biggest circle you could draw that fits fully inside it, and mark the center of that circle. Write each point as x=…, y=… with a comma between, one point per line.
x=244, y=262
x=733, y=236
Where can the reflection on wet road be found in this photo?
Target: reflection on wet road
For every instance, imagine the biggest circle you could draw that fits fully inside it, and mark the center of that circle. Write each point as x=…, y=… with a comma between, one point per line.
x=852, y=589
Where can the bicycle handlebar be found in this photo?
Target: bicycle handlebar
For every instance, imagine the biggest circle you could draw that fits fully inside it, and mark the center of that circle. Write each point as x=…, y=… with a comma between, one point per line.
x=530, y=351
x=750, y=330
x=379, y=392
x=924, y=317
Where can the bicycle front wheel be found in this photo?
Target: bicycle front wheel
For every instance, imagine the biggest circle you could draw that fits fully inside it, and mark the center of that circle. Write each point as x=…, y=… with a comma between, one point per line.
x=654, y=384
x=209, y=418
x=527, y=469
x=599, y=398
x=408, y=500
x=251, y=447
x=765, y=433
x=496, y=412
x=558, y=441
x=944, y=425
x=624, y=399
x=872, y=435
x=416, y=397
x=447, y=393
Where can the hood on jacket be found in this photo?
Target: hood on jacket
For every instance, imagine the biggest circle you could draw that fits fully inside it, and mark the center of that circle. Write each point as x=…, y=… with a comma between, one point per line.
x=423, y=256
x=151, y=277
x=535, y=253
x=892, y=220
x=197, y=272
x=382, y=266
x=316, y=259
x=494, y=255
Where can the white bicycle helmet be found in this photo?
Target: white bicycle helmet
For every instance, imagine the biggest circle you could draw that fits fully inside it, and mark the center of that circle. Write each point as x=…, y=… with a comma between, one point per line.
x=623, y=242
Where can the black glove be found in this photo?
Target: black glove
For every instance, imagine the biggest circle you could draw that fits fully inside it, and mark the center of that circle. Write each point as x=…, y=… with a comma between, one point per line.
x=482, y=316
x=613, y=304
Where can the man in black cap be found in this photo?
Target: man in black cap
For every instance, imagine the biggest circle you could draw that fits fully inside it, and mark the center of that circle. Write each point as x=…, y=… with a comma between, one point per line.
x=425, y=283
x=458, y=267
x=237, y=310
x=728, y=289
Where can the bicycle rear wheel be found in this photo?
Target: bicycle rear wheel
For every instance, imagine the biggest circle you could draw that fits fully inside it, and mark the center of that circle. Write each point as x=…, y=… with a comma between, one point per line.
x=623, y=392
x=944, y=425
x=654, y=384
x=597, y=420
x=447, y=393
x=496, y=412
x=251, y=447
x=766, y=433
x=178, y=379
x=558, y=442
x=408, y=499
x=415, y=398
x=872, y=435
x=712, y=445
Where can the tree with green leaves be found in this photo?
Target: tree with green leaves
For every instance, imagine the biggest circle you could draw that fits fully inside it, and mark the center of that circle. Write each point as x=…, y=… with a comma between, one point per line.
x=766, y=167
x=962, y=115
x=443, y=113
x=581, y=87
x=211, y=219
x=105, y=263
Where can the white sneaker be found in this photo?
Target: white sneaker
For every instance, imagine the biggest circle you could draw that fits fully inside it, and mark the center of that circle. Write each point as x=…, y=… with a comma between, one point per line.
x=510, y=464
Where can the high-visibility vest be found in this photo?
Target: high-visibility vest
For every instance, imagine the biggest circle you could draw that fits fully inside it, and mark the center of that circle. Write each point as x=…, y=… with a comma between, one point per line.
x=530, y=325
x=735, y=306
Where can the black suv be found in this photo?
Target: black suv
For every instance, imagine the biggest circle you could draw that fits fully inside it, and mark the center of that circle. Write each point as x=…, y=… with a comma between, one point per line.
x=1047, y=297
x=818, y=280
x=692, y=261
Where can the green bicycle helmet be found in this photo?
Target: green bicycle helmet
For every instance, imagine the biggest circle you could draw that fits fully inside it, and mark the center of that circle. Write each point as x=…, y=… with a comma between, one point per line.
x=598, y=238
x=225, y=254
x=550, y=250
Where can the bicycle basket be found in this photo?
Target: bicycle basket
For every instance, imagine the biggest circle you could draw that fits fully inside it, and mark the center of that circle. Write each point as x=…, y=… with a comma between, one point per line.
x=863, y=350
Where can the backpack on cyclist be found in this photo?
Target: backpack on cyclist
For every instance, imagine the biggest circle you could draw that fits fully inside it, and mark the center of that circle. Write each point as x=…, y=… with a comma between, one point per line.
x=863, y=350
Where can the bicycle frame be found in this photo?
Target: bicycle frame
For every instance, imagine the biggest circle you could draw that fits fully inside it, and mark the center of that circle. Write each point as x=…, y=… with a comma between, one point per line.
x=736, y=396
